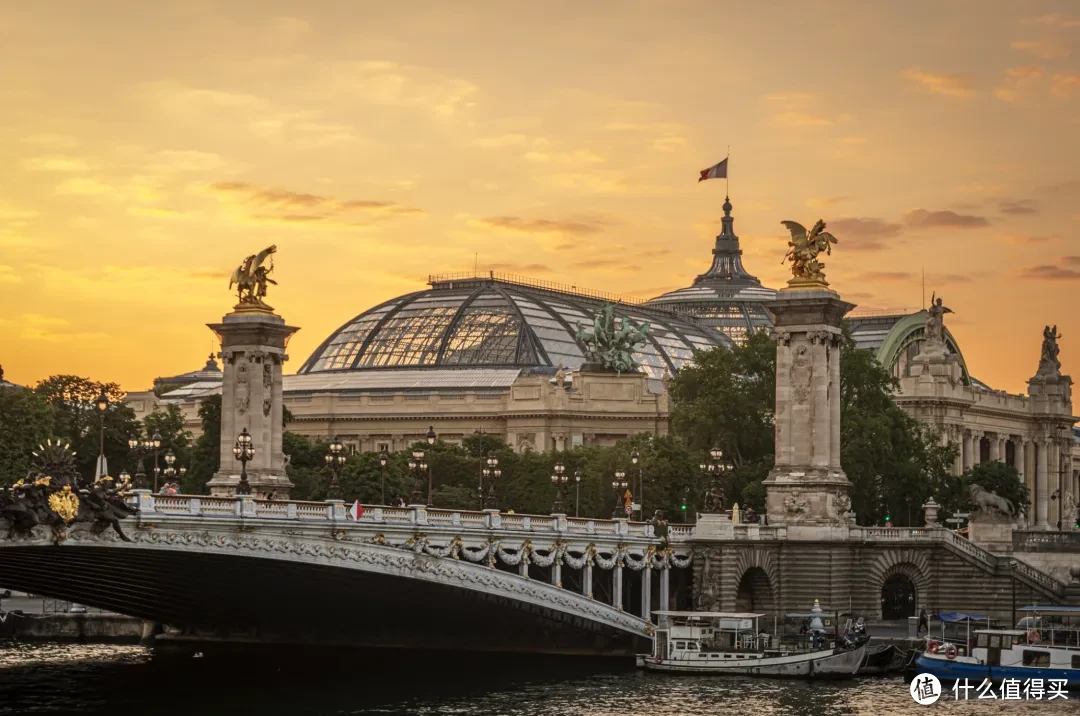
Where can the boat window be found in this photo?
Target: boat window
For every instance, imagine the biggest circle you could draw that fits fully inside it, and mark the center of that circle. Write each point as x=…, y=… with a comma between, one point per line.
x=680, y=645
x=983, y=641
x=717, y=656
x=691, y=646
x=1076, y=662
x=727, y=656
x=703, y=656
x=1036, y=658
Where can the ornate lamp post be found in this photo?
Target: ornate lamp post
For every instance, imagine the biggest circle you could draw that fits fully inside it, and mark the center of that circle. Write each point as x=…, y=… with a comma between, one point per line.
x=102, y=406
x=619, y=485
x=243, y=451
x=335, y=459
x=170, y=471
x=577, y=491
x=635, y=459
x=490, y=474
x=418, y=467
x=140, y=447
x=559, y=479
x=431, y=438
x=155, y=441
x=715, y=469
x=383, y=458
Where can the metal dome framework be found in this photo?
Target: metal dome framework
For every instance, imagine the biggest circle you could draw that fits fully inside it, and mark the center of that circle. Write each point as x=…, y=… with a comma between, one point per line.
x=498, y=321
x=727, y=297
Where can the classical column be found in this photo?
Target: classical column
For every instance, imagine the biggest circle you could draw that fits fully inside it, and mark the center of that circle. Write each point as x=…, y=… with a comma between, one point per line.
x=1003, y=454
x=616, y=586
x=665, y=586
x=1018, y=456
x=835, y=386
x=556, y=573
x=1041, y=498
x=646, y=589
x=1053, y=476
x=995, y=447
x=976, y=442
x=586, y=578
x=969, y=450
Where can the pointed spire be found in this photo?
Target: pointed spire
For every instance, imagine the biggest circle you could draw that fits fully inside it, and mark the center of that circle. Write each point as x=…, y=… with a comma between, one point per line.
x=727, y=256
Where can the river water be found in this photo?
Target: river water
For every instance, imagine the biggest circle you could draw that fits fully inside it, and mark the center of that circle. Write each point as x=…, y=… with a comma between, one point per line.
x=39, y=679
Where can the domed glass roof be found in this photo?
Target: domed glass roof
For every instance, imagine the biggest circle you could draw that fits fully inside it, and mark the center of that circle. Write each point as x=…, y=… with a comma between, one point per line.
x=726, y=297
x=497, y=321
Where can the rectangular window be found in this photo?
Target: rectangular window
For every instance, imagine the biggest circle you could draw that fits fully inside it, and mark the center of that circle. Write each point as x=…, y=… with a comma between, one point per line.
x=680, y=645
x=384, y=447
x=1037, y=658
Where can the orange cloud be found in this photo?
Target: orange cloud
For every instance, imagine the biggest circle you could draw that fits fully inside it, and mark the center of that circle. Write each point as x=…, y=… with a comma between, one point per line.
x=1065, y=84
x=944, y=219
x=1044, y=49
x=539, y=226
x=940, y=83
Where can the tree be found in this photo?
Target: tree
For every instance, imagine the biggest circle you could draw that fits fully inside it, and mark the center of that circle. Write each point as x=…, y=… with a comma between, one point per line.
x=205, y=453
x=169, y=424
x=727, y=399
x=994, y=476
x=78, y=421
x=26, y=421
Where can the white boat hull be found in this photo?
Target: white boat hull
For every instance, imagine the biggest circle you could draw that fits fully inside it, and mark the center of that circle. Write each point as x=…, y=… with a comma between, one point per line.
x=812, y=665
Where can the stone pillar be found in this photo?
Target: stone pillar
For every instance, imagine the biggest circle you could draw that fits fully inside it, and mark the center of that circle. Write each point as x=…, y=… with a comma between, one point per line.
x=995, y=447
x=616, y=586
x=806, y=485
x=1041, y=498
x=646, y=589
x=586, y=578
x=969, y=450
x=1053, y=477
x=976, y=453
x=958, y=438
x=1002, y=452
x=1018, y=455
x=253, y=342
x=665, y=587
x=556, y=573
x=1029, y=479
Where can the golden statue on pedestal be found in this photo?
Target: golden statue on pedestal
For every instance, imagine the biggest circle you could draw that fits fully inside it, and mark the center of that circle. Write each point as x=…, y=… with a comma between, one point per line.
x=251, y=278
x=803, y=252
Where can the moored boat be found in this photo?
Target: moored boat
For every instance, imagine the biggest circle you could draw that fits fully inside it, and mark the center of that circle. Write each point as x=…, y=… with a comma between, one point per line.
x=732, y=643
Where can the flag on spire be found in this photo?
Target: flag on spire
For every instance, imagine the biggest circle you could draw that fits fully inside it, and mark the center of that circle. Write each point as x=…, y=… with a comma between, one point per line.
x=717, y=171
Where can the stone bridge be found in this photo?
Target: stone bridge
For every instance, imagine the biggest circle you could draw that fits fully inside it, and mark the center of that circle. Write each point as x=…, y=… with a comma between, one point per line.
x=878, y=572
x=240, y=568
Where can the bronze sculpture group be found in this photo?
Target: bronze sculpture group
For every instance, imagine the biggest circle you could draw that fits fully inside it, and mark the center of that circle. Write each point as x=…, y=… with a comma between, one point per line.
x=609, y=345
x=251, y=277
x=54, y=495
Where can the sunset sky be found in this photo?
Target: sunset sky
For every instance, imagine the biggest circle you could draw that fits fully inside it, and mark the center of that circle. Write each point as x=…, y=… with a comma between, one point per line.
x=146, y=148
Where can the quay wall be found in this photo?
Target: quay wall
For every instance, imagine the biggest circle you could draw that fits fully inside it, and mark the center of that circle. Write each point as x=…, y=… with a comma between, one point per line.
x=73, y=627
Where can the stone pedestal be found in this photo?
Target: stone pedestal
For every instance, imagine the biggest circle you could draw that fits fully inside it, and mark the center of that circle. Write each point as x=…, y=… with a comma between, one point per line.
x=719, y=527
x=991, y=531
x=253, y=345
x=807, y=485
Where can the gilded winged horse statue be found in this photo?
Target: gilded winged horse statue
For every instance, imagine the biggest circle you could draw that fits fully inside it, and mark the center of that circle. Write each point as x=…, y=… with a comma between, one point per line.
x=804, y=249
x=251, y=277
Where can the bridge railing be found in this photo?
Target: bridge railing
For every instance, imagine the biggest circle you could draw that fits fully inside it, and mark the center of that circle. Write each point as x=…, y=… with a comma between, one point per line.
x=334, y=511
x=1029, y=541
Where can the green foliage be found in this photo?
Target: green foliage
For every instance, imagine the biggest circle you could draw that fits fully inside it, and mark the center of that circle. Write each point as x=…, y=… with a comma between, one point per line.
x=204, y=455
x=26, y=421
x=78, y=420
x=992, y=476
x=727, y=400
x=169, y=424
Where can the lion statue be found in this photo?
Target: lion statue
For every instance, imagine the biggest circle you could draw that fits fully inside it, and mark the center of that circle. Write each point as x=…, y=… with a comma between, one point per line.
x=982, y=500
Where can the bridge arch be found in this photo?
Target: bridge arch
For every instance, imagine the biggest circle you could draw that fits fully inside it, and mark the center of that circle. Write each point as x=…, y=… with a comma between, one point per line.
x=900, y=582
x=209, y=578
x=756, y=587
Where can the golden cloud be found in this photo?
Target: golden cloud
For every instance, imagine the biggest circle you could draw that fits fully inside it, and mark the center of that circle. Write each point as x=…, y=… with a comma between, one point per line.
x=8, y=275
x=944, y=219
x=940, y=83
x=1065, y=84
x=1044, y=49
x=822, y=202
x=55, y=164
x=800, y=119
x=251, y=194
x=538, y=226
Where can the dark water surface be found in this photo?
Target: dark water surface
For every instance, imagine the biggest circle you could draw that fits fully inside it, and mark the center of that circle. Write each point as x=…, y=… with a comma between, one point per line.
x=38, y=679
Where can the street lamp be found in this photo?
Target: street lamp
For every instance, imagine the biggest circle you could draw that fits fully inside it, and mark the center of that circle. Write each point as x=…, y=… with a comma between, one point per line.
x=635, y=458
x=139, y=448
x=335, y=459
x=170, y=471
x=155, y=442
x=243, y=451
x=490, y=474
x=431, y=438
x=714, y=470
x=577, y=490
x=102, y=406
x=559, y=479
x=418, y=467
x=619, y=485
x=383, y=457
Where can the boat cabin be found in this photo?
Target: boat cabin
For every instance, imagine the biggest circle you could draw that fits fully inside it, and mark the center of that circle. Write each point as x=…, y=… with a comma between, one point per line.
x=956, y=628
x=708, y=635
x=1051, y=626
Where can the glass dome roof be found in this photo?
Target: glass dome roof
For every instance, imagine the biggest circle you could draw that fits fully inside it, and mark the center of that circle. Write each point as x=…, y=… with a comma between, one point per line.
x=726, y=297
x=497, y=321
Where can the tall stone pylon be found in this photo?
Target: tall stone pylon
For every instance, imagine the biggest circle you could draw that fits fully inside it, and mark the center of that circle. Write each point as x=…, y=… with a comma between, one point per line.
x=807, y=488
x=253, y=342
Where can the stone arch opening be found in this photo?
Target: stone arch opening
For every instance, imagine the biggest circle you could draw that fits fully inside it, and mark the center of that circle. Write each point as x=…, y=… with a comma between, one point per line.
x=899, y=597
x=754, y=593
